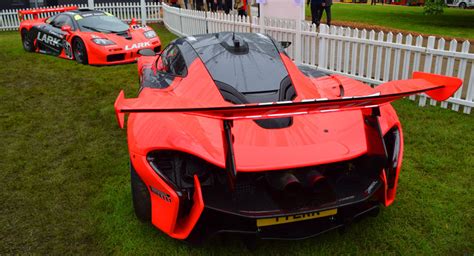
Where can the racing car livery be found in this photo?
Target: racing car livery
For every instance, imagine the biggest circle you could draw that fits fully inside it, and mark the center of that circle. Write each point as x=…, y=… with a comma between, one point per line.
x=229, y=135
x=88, y=36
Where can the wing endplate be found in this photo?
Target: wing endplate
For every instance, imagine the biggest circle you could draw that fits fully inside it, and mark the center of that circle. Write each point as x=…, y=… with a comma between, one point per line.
x=451, y=85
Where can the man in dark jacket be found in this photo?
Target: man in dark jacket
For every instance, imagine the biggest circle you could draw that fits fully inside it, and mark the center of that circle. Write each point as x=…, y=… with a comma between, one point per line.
x=317, y=8
x=227, y=6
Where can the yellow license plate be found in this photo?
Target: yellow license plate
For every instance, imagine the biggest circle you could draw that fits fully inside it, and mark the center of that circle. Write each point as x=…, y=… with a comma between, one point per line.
x=294, y=218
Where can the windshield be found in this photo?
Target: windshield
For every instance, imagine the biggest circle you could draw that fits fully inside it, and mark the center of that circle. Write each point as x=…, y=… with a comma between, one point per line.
x=102, y=23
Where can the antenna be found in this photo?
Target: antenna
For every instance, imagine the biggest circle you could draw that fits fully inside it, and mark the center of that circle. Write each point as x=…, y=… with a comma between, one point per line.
x=233, y=30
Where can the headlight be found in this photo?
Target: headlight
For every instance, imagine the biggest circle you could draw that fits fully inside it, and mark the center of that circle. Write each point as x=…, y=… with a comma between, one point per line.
x=102, y=41
x=150, y=34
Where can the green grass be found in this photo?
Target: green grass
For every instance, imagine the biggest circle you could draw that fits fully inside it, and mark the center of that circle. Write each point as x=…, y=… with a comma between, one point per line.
x=65, y=181
x=453, y=23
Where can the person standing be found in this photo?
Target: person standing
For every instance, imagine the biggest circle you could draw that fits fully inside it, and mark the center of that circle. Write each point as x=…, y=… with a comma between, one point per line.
x=214, y=5
x=227, y=6
x=174, y=3
x=199, y=5
x=317, y=8
x=241, y=6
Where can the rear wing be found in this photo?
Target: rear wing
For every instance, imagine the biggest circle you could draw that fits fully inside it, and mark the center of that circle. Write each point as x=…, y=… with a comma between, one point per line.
x=36, y=12
x=436, y=86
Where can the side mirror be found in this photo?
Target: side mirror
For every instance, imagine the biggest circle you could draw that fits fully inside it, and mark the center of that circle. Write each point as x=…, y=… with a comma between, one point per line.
x=147, y=52
x=133, y=22
x=285, y=44
x=66, y=28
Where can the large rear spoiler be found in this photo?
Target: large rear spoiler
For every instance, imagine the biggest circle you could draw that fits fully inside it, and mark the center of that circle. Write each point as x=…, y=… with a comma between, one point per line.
x=36, y=12
x=436, y=86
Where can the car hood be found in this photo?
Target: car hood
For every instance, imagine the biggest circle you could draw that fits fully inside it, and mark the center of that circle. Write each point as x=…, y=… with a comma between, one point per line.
x=133, y=39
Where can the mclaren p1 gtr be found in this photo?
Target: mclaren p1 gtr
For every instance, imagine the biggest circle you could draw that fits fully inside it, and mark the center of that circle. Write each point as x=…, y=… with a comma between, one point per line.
x=88, y=36
x=227, y=134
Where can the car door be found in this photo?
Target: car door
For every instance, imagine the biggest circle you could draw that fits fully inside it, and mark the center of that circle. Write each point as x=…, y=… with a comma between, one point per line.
x=50, y=37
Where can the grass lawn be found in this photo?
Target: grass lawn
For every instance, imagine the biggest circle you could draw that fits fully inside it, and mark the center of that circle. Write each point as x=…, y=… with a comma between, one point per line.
x=65, y=181
x=453, y=23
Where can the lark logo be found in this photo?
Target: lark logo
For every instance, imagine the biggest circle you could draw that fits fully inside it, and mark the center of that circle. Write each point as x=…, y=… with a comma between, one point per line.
x=161, y=194
x=45, y=38
x=137, y=46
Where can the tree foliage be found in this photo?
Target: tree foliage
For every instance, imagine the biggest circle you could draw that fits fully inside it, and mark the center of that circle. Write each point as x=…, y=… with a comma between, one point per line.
x=434, y=7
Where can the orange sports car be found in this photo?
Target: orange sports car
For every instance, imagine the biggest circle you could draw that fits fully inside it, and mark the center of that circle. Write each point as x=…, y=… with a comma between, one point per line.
x=87, y=36
x=227, y=134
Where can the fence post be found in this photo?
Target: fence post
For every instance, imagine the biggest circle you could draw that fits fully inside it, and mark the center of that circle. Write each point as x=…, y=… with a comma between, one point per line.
x=262, y=19
x=180, y=21
x=143, y=11
x=427, y=68
x=206, y=21
x=90, y=3
x=298, y=42
x=461, y=73
x=322, y=45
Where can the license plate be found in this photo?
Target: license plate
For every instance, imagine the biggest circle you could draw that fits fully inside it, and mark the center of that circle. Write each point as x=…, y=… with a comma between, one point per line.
x=294, y=218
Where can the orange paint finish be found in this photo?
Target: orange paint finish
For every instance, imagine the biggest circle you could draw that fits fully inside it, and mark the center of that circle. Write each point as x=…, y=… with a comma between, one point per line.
x=451, y=84
x=98, y=54
x=165, y=213
x=35, y=12
x=303, y=85
x=186, y=225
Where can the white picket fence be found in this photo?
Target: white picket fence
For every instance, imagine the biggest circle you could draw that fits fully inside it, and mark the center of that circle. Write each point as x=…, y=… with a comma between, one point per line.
x=369, y=56
x=125, y=11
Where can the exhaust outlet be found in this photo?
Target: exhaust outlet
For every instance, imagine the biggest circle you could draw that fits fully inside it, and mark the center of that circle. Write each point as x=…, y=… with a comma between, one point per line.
x=286, y=183
x=316, y=182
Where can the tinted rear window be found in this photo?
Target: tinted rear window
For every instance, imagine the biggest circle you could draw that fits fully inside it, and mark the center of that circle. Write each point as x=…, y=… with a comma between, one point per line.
x=259, y=70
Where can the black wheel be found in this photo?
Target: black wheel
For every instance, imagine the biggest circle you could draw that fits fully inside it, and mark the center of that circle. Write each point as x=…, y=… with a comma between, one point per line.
x=80, y=51
x=140, y=196
x=27, y=42
x=462, y=5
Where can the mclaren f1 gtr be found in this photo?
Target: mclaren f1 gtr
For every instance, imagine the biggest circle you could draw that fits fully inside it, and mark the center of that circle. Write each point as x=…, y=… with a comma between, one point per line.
x=227, y=134
x=88, y=36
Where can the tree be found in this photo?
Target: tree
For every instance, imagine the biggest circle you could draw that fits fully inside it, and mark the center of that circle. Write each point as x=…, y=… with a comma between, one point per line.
x=434, y=7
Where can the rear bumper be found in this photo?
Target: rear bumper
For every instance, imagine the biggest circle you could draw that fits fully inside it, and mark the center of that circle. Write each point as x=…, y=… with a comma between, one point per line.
x=213, y=222
x=241, y=215
x=212, y=210
x=99, y=55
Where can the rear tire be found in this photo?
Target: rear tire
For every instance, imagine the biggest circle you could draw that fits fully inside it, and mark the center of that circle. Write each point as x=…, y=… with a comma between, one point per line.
x=462, y=5
x=80, y=51
x=140, y=196
x=28, y=44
